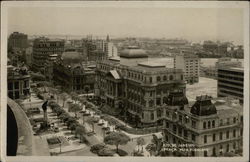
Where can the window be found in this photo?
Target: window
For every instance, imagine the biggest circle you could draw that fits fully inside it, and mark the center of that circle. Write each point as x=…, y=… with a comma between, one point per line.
x=192, y=153
x=193, y=124
x=228, y=121
x=227, y=134
x=10, y=86
x=164, y=77
x=180, y=131
x=234, y=120
x=234, y=145
x=180, y=118
x=174, y=128
x=142, y=115
x=221, y=122
x=213, y=123
x=158, y=78
x=214, y=151
x=16, y=85
x=205, y=138
x=209, y=124
x=193, y=137
x=167, y=124
x=214, y=137
x=227, y=147
x=181, y=77
x=204, y=125
x=185, y=133
x=150, y=79
x=151, y=103
x=234, y=133
x=171, y=77
x=221, y=135
x=167, y=113
x=152, y=116
x=158, y=101
x=159, y=113
x=205, y=153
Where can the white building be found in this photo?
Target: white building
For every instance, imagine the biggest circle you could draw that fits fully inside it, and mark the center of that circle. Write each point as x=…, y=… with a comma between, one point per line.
x=190, y=64
x=111, y=50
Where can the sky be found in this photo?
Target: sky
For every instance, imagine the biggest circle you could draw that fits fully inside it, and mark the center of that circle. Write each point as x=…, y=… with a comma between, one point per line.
x=196, y=24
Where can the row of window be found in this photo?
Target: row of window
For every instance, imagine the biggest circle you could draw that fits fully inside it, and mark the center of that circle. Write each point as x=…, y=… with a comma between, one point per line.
x=222, y=135
x=231, y=78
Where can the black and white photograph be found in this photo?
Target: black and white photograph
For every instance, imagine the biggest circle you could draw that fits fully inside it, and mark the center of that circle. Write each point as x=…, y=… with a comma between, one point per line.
x=124, y=80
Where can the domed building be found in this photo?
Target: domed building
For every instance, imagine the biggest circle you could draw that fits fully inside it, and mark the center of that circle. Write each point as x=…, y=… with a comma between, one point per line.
x=203, y=106
x=70, y=72
x=132, y=56
x=71, y=57
x=213, y=130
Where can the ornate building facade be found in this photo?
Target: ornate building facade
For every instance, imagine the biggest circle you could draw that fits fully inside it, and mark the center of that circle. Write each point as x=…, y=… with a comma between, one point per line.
x=136, y=88
x=207, y=127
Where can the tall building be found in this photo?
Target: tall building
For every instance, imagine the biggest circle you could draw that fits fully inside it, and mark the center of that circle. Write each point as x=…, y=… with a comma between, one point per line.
x=49, y=66
x=190, y=64
x=18, y=82
x=111, y=50
x=224, y=62
x=42, y=48
x=17, y=41
x=206, y=127
x=135, y=89
x=231, y=82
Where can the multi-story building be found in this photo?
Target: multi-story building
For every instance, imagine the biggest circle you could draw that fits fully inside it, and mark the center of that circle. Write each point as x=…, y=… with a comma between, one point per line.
x=231, y=82
x=28, y=55
x=49, y=66
x=69, y=72
x=42, y=48
x=18, y=82
x=17, y=41
x=136, y=89
x=212, y=71
x=190, y=64
x=206, y=127
x=111, y=50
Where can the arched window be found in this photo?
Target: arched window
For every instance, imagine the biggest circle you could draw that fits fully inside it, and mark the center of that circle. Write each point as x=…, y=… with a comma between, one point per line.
x=171, y=77
x=158, y=78
x=213, y=123
x=152, y=116
x=204, y=125
x=151, y=103
x=164, y=77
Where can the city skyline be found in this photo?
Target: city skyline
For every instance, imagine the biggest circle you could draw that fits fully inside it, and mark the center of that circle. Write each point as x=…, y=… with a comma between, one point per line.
x=208, y=24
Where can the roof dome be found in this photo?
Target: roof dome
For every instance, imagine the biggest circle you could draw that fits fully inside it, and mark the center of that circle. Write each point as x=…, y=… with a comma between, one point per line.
x=72, y=57
x=177, y=99
x=133, y=52
x=203, y=106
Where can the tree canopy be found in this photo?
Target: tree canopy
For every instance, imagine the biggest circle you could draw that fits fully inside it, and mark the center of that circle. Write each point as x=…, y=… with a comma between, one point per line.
x=116, y=138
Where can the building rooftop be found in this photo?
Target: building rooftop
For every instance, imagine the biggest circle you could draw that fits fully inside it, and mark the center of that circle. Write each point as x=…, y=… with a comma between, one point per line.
x=152, y=65
x=72, y=57
x=222, y=107
x=133, y=52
